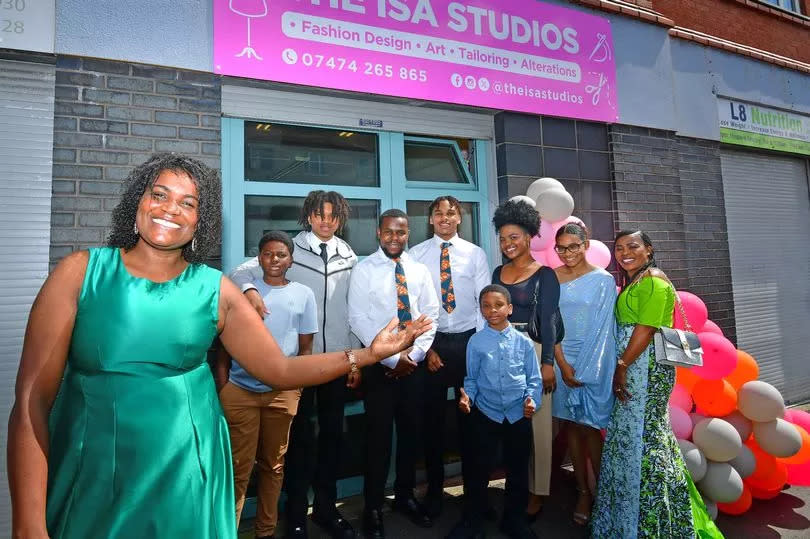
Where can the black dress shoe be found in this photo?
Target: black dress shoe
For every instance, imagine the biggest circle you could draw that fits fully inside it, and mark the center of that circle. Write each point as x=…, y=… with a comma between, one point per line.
x=335, y=525
x=373, y=524
x=432, y=502
x=414, y=510
x=466, y=529
x=297, y=532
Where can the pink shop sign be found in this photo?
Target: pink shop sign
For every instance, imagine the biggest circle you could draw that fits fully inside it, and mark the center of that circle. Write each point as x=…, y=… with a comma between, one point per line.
x=518, y=55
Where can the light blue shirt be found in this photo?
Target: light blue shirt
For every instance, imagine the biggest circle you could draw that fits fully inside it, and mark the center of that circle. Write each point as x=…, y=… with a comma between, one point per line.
x=293, y=312
x=502, y=372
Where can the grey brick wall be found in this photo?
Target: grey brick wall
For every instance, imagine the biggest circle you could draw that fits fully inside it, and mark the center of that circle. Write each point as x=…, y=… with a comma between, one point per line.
x=671, y=188
x=111, y=116
x=574, y=152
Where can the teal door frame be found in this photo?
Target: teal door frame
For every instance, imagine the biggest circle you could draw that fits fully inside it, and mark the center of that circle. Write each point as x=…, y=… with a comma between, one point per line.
x=393, y=192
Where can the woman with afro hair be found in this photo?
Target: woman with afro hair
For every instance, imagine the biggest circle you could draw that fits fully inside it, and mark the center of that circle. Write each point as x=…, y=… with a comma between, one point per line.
x=532, y=287
x=116, y=429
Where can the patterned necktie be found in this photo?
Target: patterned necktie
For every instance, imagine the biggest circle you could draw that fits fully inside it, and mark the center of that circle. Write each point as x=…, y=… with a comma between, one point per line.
x=446, y=279
x=403, y=302
x=324, y=256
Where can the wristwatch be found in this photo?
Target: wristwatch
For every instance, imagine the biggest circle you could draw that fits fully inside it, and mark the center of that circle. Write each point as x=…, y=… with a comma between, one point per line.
x=352, y=359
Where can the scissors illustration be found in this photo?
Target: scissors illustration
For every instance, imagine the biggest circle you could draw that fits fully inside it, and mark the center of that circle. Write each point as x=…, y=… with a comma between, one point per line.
x=596, y=90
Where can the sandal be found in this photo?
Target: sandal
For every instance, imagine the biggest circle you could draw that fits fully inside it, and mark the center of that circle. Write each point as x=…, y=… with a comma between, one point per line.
x=580, y=518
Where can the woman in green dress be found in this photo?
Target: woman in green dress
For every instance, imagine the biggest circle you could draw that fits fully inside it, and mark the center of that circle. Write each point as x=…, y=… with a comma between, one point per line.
x=117, y=430
x=644, y=488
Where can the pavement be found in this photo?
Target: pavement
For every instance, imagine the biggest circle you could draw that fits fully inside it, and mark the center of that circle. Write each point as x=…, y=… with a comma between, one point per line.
x=786, y=516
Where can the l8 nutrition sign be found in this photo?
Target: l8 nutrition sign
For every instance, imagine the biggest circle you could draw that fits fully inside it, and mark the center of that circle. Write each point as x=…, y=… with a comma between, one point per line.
x=519, y=55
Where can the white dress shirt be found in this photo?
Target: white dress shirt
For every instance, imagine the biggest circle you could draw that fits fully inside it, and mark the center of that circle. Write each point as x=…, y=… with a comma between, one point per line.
x=315, y=242
x=373, y=300
x=469, y=271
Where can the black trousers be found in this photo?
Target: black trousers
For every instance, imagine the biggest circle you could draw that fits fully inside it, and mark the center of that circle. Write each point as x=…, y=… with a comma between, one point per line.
x=315, y=460
x=517, y=446
x=388, y=401
x=452, y=349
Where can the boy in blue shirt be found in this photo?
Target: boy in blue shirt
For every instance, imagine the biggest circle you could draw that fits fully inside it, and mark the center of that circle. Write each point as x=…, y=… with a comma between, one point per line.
x=500, y=393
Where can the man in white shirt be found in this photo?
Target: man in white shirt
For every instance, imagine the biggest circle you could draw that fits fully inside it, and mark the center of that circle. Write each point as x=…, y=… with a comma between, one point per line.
x=459, y=270
x=391, y=283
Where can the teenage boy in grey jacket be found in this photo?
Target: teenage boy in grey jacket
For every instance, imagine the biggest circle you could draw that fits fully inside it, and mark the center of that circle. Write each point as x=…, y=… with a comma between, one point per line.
x=323, y=262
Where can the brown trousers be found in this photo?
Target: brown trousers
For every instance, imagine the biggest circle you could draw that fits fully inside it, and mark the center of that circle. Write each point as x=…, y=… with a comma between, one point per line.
x=259, y=425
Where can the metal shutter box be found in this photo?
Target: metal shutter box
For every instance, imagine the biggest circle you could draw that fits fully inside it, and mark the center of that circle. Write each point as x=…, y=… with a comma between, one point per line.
x=768, y=216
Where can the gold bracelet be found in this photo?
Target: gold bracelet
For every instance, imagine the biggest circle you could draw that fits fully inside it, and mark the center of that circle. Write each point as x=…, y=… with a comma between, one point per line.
x=352, y=359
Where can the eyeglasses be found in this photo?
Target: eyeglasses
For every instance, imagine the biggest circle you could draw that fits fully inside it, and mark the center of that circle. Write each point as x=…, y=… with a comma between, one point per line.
x=573, y=248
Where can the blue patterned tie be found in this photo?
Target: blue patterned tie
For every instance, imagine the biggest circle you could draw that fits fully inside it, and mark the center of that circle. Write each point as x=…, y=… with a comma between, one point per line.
x=403, y=302
x=446, y=279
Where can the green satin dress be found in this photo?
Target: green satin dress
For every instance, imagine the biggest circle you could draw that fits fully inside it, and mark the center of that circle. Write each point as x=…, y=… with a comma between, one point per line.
x=139, y=445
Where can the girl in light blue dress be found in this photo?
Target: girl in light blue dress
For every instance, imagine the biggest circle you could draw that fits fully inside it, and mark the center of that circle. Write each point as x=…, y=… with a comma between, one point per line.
x=586, y=358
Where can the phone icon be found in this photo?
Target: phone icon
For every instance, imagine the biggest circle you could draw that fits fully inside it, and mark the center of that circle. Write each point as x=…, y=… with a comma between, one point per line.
x=289, y=56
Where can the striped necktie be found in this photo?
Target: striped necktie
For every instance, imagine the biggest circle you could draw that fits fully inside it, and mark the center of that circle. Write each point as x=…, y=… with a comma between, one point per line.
x=403, y=301
x=446, y=279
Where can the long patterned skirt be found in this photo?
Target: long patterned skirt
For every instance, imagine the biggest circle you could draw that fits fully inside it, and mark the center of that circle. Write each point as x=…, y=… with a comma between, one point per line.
x=644, y=487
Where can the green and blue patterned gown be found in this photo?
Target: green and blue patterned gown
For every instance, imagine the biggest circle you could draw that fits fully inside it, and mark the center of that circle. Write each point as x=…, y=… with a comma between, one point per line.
x=139, y=446
x=644, y=487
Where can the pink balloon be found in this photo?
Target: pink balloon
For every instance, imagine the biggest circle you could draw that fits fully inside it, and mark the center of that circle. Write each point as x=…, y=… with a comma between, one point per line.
x=681, y=423
x=540, y=257
x=544, y=237
x=680, y=398
x=598, y=254
x=711, y=327
x=552, y=259
x=695, y=309
x=798, y=417
x=719, y=356
x=799, y=474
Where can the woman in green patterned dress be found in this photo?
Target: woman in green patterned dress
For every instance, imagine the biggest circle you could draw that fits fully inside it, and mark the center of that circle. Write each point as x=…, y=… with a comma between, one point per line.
x=644, y=488
x=116, y=429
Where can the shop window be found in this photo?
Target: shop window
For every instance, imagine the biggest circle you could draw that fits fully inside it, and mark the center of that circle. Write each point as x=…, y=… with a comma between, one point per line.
x=790, y=5
x=436, y=160
x=266, y=213
x=294, y=154
x=421, y=230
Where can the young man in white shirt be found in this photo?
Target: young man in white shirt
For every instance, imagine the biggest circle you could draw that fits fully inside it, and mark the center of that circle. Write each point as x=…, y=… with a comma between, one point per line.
x=459, y=270
x=323, y=262
x=387, y=284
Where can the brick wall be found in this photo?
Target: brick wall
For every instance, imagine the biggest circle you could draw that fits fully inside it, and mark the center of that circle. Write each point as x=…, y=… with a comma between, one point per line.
x=574, y=152
x=671, y=188
x=744, y=23
x=111, y=116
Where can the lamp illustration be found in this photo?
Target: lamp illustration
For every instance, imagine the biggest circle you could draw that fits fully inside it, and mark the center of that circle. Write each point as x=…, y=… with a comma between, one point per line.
x=252, y=9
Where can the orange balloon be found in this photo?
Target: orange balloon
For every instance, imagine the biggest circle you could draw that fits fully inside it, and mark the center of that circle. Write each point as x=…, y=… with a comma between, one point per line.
x=717, y=397
x=686, y=378
x=761, y=494
x=766, y=464
x=804, y=453
x=745, y=371
x=775, y=480
x=739, y=507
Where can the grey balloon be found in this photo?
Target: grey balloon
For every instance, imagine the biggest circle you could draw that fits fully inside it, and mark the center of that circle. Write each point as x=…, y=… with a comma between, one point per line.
x=778, y=438
x=694, y=458
x=711, y=508
x=744, y=462
x=542, y=184
x=721, y=483
x=739, y=422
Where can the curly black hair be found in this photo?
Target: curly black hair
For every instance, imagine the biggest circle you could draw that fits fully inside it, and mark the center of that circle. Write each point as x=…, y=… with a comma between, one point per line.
x=517, y=212
x=314, y=202
x=277, y=235
x=209, y=211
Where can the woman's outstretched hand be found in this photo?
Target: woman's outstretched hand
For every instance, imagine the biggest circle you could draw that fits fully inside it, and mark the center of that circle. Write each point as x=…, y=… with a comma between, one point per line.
x=389, y=342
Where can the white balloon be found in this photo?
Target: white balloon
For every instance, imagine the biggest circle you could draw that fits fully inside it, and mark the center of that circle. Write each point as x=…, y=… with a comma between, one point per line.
x=778, y=438
x=542, y=184
x=760, y=401
x=739, y=422
x=523, y=198
x=721, y=483
x=711, y=508
x=555, y=204
x=718, y=439
x=694, y=459
x=745, y=463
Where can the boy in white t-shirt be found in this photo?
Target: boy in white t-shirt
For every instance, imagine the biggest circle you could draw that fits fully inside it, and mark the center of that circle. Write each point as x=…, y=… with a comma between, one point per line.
x=259, y=416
